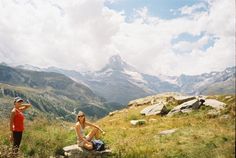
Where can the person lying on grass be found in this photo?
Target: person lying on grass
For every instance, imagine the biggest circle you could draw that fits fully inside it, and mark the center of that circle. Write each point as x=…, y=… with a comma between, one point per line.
x=82, y=140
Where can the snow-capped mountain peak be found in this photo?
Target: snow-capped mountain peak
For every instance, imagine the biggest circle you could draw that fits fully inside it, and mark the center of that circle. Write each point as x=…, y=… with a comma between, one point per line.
x=117, y=64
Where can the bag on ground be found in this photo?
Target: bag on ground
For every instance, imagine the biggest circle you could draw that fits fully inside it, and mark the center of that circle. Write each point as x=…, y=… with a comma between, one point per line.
x=98, y=145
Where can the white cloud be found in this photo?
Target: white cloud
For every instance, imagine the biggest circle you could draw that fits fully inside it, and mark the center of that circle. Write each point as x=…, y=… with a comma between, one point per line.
x=189, y=10
x=69, y=34
x=83, y=34
x=148, y=45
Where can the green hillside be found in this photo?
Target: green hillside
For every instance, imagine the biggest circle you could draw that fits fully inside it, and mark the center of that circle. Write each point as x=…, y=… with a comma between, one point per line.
x=197, y=134
x=51, y=93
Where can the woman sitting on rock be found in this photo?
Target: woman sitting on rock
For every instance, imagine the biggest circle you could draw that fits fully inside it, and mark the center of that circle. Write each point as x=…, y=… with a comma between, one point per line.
x=81, y=123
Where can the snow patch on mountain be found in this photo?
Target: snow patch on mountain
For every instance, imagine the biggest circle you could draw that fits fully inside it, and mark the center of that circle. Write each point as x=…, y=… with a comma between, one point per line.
x=170, y=79
x=135, y=76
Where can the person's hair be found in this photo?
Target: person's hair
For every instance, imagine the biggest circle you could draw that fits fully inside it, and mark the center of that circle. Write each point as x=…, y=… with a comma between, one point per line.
x=80, y=113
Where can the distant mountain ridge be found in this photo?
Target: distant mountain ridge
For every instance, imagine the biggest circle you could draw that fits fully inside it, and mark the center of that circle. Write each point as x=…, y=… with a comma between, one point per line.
x=52, y=92
x=121, y=82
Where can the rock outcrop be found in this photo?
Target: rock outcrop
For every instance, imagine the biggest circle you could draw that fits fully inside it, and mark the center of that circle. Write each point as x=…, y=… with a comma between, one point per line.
x=74, y=151
x=159, y=108
x=182, y=99
x=192, y=104
x=214, y=104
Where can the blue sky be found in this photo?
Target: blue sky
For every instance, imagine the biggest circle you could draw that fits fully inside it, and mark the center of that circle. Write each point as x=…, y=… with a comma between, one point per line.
x=169, y=37
x=160, y=8
x=163, y=9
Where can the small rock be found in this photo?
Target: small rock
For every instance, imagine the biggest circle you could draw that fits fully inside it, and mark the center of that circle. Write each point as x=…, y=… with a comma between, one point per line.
x=167, y=132
x=113, y=113
x=228, y=97
x=152, y=120
x=213, y=113
x=224, y=117
x=137, y=122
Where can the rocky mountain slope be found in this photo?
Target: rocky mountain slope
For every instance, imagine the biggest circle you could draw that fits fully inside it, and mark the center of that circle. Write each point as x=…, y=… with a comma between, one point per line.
x=120, y=82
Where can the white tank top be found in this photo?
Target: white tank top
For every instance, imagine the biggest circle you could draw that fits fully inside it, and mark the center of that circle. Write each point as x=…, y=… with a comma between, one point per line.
x=81, y=132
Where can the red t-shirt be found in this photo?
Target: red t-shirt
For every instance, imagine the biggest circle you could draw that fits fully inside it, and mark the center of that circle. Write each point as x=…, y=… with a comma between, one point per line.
x=18, y=122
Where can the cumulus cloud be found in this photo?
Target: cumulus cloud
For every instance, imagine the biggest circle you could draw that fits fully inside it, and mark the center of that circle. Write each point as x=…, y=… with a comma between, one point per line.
x=83, y=34
x=69, y=34
x=189, y=10
x=148, y=43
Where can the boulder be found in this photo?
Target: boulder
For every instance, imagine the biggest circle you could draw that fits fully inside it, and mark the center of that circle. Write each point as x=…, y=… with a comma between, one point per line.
x=137, y=122
x=142, y=101
x=74, y=151
x=215, y=104
x=192, y=104
x=159, y=108
x=182, y=99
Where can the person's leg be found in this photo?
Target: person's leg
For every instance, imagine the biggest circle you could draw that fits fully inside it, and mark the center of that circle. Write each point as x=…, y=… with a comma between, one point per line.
x=17, y=136
x=93, y=133
x=88, y=146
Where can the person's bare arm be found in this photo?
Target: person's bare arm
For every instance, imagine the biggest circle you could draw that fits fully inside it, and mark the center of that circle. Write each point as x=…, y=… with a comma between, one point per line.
x=24, y=106
x=11, y=123
x=95, y=126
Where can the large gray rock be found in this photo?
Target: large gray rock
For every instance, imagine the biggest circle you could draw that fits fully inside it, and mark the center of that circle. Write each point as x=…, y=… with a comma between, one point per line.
x=74, y=151
x=192, y=104
x=154, y=109
x=215, y=104
x=142, y=101
x=182, y=99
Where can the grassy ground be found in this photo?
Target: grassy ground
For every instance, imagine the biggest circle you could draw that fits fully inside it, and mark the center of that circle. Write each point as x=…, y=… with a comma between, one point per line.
x=197, y=135
x=41, y=138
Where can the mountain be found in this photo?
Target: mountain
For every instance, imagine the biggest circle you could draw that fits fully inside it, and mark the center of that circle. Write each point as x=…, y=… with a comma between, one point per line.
x=29, y=67
x=209, y=83
x=120, y=82
x=51, y=93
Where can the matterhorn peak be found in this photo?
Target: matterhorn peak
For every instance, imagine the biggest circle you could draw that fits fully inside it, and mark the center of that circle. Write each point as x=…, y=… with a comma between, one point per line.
x=117, y=63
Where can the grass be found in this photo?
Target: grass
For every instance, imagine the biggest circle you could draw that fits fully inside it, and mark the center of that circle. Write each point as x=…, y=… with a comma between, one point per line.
x=42, y=138
x=196, y=136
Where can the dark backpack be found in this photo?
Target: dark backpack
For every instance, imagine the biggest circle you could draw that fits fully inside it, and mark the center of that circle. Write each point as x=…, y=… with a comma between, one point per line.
x=98, y=145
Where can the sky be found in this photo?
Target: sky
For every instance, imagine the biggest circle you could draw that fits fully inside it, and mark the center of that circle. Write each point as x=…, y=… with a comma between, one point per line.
x=169, y=37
